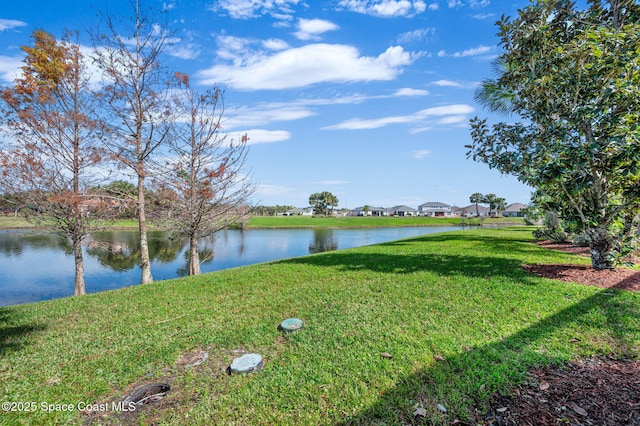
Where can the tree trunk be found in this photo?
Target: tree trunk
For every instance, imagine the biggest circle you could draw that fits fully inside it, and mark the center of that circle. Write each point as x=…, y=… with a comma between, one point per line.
x=602, y=249
x=194, y=256
x=145, y=262
x=79, y=287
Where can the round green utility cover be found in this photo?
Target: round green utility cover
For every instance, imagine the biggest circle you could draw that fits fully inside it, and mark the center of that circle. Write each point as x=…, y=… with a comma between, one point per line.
x=291, y=324
x=247, y=363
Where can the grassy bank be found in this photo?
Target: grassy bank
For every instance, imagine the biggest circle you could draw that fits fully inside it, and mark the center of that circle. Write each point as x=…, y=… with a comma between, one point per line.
x=12, y=222
x=459, y=316
x=365, y=222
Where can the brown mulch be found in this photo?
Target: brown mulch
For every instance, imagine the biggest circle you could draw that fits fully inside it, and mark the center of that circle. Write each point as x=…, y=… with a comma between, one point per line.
x=620, y=278
x=596, y=391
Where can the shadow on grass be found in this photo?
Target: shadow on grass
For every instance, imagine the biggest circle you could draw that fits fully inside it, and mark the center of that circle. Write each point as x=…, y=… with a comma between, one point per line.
x=469, y=265
x=468, y=379
x=13, y=333
x=609, y=319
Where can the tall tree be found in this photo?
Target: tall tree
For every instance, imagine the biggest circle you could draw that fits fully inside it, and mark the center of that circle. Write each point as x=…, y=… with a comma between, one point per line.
x=500, y=205
x=477, y=198
x=573, y=76
x=322, y=201
x=491, y=200
x=204, y=169
x=51, y=158
x=136, y=101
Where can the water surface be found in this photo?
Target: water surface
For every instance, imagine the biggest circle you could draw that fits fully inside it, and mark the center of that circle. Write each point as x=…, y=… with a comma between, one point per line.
x=37, y=265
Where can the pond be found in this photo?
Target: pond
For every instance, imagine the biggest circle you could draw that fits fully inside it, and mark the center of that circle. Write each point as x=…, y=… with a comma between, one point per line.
x=37, y=265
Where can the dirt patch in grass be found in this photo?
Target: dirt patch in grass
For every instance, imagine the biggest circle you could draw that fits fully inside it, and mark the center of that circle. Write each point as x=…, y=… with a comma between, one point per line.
x=596, y=391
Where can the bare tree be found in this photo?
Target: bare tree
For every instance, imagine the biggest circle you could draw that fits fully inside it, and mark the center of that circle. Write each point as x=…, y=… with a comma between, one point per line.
x=204, y=181
x=49, y=162
x=135, y=98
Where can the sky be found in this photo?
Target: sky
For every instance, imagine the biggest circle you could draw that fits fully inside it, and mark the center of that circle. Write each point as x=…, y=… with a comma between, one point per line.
x=367, y=99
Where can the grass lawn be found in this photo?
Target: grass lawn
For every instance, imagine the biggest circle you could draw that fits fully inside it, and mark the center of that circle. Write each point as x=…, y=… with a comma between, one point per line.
x=358, y=222
x=459, y=316
x=8, y=222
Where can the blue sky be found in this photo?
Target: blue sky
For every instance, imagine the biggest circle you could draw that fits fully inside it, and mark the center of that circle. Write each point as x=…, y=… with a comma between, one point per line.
x=367, y=99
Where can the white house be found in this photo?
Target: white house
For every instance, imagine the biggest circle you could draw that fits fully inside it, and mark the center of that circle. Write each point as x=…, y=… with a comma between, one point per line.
x=403, y=211
x=470, y=211
x=307, y=211
x=435, y=209
x=514, y=210
x=369, y=211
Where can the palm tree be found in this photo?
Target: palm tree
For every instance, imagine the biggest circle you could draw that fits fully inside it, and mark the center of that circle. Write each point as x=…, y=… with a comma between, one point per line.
x=501, y=205
x=492, y=95
x=491, y=200
x=476, y=198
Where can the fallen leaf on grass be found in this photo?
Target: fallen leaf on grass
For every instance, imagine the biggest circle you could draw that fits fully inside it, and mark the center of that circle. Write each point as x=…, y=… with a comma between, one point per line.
x=420, y=412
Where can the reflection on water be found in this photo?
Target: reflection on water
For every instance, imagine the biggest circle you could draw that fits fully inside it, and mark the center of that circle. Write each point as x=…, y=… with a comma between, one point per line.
x=37, y=265
x=323, y=240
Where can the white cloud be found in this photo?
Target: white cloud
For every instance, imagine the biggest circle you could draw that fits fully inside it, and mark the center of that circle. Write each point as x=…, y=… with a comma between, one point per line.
x=185, y=51
x=481, y=50
x=266, y=113
x=451, y=114
x=244, y=9
x=407, y=91
x=416, y=35
x=476, y=51
x=9, y=24
x=275, y=44
x=304, y=66
x=483, y=16
x=310, y=29
x=385, y=8
x=446, y=83
x=419, y=155
x=10, y=67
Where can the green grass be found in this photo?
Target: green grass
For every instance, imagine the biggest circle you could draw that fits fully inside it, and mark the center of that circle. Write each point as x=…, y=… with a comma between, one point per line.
x=358, y=222
x=461, y=296
x=8, y=222
x=11, y=221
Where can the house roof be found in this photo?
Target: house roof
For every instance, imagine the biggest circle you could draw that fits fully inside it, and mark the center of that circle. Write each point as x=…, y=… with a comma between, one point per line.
x=515, y=207
x=435, y=204
x=402, y=208
x=472, y=208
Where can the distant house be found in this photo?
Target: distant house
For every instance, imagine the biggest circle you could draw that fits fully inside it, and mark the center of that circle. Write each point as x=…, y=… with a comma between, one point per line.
x=369, y=211
x=514, y=210
x=307, y=211
x=403, y=211
x=470, y=211
x=435, y=209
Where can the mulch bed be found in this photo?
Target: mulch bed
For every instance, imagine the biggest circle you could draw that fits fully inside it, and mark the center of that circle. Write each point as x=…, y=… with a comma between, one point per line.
x=620, y=278
x=595, y=391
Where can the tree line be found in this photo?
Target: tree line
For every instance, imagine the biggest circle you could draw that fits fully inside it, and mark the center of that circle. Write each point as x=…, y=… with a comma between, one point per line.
x=65, y=137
